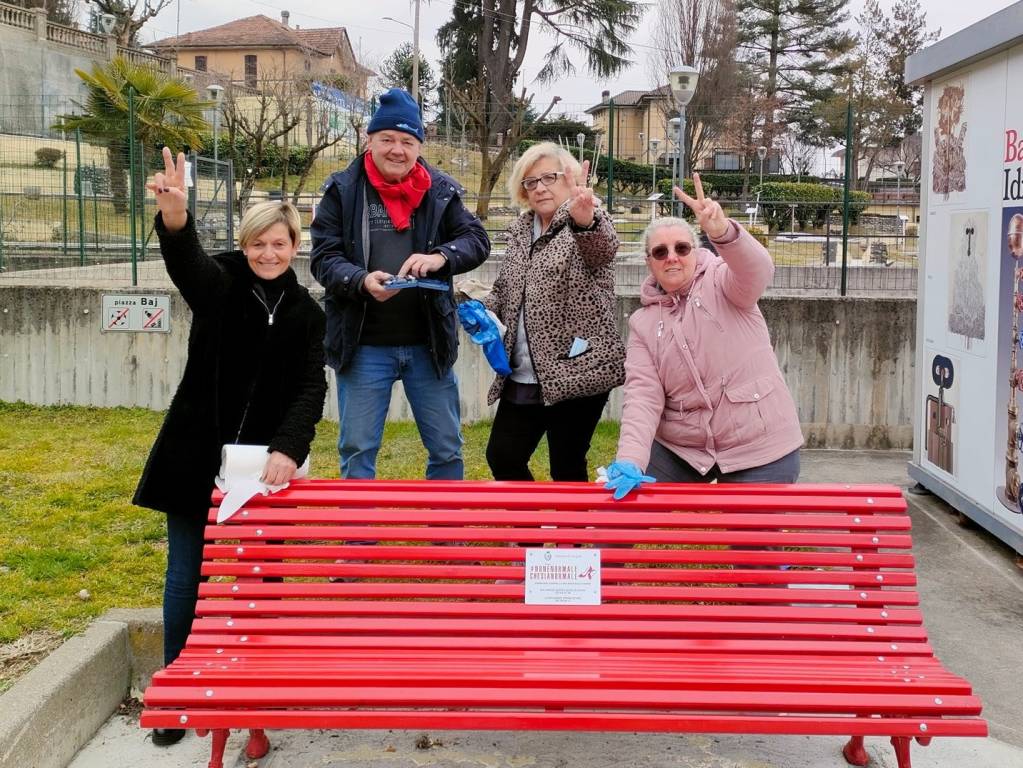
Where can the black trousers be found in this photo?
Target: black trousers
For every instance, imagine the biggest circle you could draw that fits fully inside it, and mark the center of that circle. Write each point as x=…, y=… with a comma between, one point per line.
x=518, y=429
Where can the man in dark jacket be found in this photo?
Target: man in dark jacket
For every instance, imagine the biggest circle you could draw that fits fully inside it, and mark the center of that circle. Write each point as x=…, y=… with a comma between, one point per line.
x=390, y=214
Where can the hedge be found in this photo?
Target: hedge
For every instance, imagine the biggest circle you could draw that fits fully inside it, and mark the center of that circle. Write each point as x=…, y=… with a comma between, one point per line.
x=812, y=203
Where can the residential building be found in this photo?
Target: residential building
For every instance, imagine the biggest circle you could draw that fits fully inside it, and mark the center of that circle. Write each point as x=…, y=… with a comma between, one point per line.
x=259, y=48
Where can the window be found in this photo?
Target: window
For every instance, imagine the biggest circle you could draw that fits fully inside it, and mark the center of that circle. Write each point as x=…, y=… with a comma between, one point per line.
x=200, y=63
x=726, y=161
x=250, y=71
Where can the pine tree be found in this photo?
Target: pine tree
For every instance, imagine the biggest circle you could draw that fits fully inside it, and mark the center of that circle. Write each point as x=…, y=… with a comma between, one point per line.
x=396, y=72
x=905, y=33
x=797, y=49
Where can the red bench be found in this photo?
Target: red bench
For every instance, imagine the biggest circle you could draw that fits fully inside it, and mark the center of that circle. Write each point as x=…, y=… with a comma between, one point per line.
x=705, y=625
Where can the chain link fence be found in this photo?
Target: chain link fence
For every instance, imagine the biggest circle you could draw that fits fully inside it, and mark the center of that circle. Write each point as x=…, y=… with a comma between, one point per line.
x=74, y=210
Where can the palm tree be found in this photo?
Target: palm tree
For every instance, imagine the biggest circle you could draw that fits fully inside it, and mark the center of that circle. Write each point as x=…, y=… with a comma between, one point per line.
x=167, y=111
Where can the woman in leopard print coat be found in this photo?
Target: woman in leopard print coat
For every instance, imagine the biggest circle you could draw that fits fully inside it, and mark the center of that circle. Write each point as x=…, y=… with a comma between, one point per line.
x=555, y=293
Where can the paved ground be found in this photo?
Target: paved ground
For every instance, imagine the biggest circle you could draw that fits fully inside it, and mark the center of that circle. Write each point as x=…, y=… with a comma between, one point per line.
x=972, y=596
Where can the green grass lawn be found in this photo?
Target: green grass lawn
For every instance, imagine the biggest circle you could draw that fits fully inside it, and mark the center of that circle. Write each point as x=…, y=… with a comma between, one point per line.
x=67, y=475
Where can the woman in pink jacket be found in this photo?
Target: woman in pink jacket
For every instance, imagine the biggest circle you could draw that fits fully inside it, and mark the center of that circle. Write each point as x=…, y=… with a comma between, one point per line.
x=704, y=397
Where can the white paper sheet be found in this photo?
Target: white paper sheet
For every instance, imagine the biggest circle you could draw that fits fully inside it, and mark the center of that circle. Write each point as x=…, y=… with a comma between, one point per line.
x=241, y=466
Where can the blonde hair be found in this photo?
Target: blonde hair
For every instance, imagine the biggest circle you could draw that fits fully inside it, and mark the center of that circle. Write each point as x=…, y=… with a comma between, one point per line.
x=261, y=216
x=667, y=222
x=533, y=155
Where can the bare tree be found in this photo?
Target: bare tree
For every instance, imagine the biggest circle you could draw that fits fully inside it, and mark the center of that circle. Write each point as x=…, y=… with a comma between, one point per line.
x=797, y=157
x=490, y=38
x=131, y=16
x=700, y=34
x=254, y=125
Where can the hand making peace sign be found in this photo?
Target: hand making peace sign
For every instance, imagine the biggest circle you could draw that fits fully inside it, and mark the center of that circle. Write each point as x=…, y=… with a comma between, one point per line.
x=169, y=188
x=708, y=212
x=584, y=202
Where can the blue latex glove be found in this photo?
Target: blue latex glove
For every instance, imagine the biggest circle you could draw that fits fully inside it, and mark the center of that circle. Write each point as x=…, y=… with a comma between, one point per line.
x=484, y=331
x=623, y=477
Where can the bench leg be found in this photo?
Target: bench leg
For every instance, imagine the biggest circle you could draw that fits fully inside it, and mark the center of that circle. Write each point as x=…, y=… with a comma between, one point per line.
x=219, y=742
x=901, y=744
x=258, y=744
x=854, y=752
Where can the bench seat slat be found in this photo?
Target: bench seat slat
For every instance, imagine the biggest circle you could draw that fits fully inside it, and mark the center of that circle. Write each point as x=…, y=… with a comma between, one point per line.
x=256, y=550
x=244, y=674
x=411, y=590
x=839, y=521
x=577, y=499
x=637, y=628
x=242, y=608
x=476, y=488
x=865, y=541
x=565, y=721
x=709, y=645
x=539, y=696
x=609, y=575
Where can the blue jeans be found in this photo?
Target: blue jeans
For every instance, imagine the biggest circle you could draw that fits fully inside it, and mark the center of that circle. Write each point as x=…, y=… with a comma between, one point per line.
x=364, y=394
x=181, y=587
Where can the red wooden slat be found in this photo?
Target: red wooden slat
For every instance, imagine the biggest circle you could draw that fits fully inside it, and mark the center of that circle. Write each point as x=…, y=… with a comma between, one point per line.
x=621, y=611
x=711, y=646
x=865, y=541
x=246, y=676
x=256, y=550
x=556, y=628
x=458, y=590
x=606, y=698
x=583, y=497
x=491, y=487
x=532, y=518
x=862, y=578
x=564, y=721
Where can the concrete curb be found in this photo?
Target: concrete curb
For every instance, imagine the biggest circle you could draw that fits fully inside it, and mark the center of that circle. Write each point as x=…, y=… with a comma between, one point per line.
x=54, y=710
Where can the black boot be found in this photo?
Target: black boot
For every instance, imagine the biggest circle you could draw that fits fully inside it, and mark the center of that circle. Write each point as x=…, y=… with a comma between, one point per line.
x=164, y=737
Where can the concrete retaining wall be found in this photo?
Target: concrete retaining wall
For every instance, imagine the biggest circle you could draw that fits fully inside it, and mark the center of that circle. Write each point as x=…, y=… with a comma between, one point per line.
x=848, y=361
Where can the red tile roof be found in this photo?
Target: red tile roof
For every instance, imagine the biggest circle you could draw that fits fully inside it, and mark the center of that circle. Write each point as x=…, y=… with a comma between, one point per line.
x=254, y=32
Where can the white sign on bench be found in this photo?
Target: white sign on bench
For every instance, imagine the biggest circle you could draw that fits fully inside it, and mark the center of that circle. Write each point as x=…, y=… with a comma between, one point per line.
x=562, y=576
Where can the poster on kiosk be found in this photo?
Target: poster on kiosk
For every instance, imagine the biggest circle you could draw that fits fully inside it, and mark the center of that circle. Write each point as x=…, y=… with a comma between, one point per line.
x=968, y=446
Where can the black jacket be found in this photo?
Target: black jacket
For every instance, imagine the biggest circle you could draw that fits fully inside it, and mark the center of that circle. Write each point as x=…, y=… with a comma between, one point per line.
x=441, y=224
x=245, y=380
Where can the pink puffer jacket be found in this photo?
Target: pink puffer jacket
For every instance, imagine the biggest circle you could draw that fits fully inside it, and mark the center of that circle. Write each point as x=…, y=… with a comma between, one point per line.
x=701, y=374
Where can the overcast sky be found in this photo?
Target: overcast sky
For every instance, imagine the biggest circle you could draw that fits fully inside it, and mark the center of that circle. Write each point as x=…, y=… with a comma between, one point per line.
x=377, y=37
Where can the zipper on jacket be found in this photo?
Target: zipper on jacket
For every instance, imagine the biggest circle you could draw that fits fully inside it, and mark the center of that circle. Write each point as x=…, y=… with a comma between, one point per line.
x=525, y=319
x=269, y=312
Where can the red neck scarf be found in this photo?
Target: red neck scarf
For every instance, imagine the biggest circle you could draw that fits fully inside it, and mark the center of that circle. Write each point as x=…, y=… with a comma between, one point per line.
x=402, y=198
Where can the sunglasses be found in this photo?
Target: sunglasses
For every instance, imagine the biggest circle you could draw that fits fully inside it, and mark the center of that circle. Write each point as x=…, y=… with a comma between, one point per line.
x=548, y=180
x=660, y=252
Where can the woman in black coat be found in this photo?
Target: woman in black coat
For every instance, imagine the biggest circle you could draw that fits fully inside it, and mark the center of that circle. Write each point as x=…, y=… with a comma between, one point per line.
x=254, y=375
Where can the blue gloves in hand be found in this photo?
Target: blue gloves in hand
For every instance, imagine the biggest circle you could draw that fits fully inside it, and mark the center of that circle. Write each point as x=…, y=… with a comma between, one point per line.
x=623, y=477
x=482, y=329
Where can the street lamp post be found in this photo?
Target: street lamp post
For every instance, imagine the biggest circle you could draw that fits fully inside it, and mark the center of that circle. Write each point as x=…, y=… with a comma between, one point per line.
x=674, y=131
x=899, y=166
x=216, y=93
x=761, y=153
x=415, y=49
x=682, y=81
x=654, y=143
x=580, y=139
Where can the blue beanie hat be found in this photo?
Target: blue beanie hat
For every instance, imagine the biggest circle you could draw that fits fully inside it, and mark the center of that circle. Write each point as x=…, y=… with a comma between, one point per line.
x=398, y=111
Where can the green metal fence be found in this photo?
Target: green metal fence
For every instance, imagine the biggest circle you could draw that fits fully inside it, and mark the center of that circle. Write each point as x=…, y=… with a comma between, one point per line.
x=76, y=210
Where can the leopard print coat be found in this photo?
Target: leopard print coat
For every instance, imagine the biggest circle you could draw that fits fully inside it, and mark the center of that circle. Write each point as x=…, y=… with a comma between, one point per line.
x=567, y=281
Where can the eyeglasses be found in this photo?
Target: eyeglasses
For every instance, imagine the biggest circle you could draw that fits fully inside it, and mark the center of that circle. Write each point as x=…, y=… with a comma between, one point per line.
x=660, y=252
x=548, y=179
